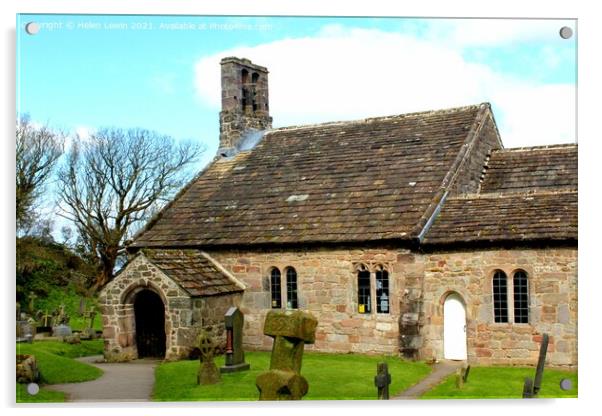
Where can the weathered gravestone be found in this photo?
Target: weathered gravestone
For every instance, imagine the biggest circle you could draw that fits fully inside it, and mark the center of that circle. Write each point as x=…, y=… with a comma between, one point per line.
x=208, y=372
x=61, y=331
x=89, y=332
x=291, y=330
x=531, y=387
x=25, y=329
x=235, y=356
x=46, y=323
x=382, y=381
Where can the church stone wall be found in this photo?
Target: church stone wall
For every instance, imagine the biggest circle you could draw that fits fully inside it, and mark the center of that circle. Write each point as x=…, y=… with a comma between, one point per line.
x=327, y=288
x=552, y=282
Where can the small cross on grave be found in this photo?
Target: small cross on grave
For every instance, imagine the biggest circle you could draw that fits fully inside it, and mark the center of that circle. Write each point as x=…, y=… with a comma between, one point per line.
x=208, y=372
x=382, y=381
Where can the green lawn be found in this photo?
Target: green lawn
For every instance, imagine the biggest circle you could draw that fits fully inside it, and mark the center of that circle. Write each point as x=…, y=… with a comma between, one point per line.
x=502, y=383
x=43, y=396
x=79, y=323
x=330, y=377
x=56, y=365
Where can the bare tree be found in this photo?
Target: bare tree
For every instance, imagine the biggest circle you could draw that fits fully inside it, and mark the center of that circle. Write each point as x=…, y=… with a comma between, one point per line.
x=37, y=151
x=112, y=182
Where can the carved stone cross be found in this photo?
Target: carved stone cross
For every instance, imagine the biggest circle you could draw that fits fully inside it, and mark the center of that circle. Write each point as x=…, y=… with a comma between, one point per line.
x=291, y=330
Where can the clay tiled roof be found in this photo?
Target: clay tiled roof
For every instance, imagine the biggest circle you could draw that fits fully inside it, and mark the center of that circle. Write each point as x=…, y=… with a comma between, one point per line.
x=194, y=271
x=364, y=180
x=532, y=169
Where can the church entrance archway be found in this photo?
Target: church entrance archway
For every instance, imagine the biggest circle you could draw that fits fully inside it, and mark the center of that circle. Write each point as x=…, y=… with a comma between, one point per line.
x=150, y=324
x=454, y=328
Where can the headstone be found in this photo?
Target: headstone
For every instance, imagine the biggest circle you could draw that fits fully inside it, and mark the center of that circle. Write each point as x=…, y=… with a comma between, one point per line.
x=25, y=331
x=465, y=371
x=30, y=305
x=543, y=350
x=61, y=330
x=45, y=320
x=235, y=356
x=61, y=316
x=82, y=306
x=382, y=381
x=89, y=331
x=208, y=372
x=532, y=386
x=291, y=330
x=528, y=388
x=459, y=378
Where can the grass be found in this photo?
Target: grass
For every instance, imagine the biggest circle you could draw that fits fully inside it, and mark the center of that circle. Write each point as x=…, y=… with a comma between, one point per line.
x=503, y=383
x=56, y=365
x=330, y=377
x=43, y=396
x=79, y=323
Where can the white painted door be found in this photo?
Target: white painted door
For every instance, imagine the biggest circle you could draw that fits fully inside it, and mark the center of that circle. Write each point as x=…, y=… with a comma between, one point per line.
x=454, y=328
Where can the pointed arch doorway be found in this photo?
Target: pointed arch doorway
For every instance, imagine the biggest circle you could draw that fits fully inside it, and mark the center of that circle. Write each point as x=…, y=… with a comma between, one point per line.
x=454, y=328
x=150, y=324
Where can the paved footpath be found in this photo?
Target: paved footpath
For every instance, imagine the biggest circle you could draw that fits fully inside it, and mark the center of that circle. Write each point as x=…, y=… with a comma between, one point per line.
x=124, y=382
x=440, y=370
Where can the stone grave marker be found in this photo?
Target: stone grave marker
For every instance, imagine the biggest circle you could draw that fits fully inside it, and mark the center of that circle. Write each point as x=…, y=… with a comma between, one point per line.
x=235, y=356
x=208, y=372
x=30, y=304
x=291, y=330
x=46, y=323
x=532, y=386
x=382, y=381
x=82, y=306
x=89, y=331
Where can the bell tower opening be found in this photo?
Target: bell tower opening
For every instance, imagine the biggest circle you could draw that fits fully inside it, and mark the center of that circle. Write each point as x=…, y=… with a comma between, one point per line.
x=245, y=102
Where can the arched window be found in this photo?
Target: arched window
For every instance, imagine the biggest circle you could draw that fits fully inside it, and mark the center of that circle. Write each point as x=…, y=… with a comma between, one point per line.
x=291, y=288
x=275, y=286
x=521, y=297
x=382, y=290
x=500, y=297
x=364, y=304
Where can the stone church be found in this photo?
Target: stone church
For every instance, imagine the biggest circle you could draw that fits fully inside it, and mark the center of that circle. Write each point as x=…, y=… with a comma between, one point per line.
x=416, y=235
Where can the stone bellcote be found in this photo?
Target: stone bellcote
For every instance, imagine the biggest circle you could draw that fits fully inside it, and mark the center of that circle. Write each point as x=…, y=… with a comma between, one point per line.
x=245, y=104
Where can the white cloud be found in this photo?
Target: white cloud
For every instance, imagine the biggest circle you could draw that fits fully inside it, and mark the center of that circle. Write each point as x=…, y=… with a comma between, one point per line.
x=343, y=74
x=489, y=32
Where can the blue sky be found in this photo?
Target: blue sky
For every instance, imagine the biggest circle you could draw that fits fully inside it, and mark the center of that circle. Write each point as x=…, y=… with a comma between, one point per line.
x=82, y=72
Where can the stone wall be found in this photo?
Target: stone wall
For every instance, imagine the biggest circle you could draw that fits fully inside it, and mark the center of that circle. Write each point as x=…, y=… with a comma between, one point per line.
x=184, y=316
x=327, y=287
x=552, y=282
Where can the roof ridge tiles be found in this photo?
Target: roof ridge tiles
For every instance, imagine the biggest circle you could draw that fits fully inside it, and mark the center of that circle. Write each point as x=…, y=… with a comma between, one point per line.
x=380, y=118
x=536, y=148
x=509, y=194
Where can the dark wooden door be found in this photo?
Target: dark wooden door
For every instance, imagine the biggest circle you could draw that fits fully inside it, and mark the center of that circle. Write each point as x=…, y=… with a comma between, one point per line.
x=150, y=325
